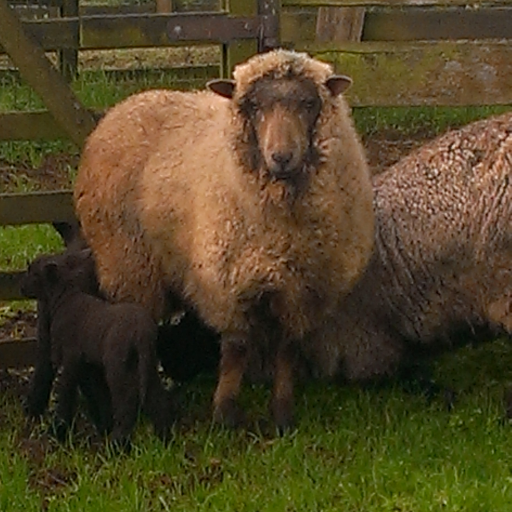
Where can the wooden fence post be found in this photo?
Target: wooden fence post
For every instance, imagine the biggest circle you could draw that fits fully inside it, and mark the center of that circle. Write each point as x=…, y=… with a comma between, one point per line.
x=338, y=24
x=270, y=10
x=238, y=51
x=41, y=75
x=68, y=58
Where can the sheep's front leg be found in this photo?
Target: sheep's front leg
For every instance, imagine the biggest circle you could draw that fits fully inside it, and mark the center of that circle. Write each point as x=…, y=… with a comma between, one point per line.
x=233, y=363
x=282, y=395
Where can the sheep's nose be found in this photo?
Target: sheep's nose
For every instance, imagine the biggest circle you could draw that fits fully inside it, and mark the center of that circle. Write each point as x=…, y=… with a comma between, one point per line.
x=282, y=158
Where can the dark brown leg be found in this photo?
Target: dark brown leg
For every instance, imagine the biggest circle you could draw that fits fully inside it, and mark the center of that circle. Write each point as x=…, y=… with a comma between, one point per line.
x=42, y=380
x=282, y=396
x=234, y=355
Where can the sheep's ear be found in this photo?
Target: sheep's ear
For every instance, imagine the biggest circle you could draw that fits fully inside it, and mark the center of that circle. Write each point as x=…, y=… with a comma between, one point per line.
x=338, y=84
x=51, y=272
x=222, y=87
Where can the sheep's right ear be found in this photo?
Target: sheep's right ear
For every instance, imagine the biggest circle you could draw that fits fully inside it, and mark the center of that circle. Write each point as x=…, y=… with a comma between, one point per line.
x=338, y=84
x=222, y=87
x=51, y=272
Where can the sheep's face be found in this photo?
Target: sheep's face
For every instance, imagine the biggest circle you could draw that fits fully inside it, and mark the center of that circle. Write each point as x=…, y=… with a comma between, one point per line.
x=279, y=117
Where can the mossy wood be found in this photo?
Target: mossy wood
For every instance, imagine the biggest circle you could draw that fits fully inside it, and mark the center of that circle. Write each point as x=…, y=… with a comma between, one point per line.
x=238, y=51
x=9, y=285
x=36, y=207
x=68, y=59
x=39, y=73
x=437, y=74
x=144, y=30
x=17, y=353
x=392, y=3
x=30, y=126
x=298, y=25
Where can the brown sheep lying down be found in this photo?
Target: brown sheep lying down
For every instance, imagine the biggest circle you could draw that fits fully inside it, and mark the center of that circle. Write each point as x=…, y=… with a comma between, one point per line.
x=442, y=264
x=251, y=205
x=101, y=348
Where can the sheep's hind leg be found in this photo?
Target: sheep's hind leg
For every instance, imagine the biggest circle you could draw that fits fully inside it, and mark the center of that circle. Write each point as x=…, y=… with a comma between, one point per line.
x=233, y=363
x=282, y=396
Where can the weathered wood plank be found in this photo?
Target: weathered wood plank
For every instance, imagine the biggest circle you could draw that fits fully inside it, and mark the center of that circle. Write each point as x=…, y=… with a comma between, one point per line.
x=30, y=126
x=392, y=3
x=36, y=207
x=37, y=70
x=339, y=24
x=9, y=285
x=270, y=10
x=298, y=25
x=238, y=51
x=428, y=24
x=129, y=31
x=401, y=74
x=68, y=59
x=17, y=353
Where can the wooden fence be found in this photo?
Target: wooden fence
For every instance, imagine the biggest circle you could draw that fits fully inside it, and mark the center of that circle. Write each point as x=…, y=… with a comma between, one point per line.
x=404, y=53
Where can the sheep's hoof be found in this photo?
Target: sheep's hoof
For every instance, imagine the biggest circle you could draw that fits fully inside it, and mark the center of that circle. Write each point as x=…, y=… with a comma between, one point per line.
x=282, y=412
x=229, y=414
x=59, y=429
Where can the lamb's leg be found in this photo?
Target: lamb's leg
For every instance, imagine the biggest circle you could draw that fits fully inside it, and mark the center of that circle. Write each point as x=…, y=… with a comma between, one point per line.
x=66, y=399
x=124, y=393
x=42, y=380
x=233, y=362
x=160, y=406
x=95, y=389
x=282, y=396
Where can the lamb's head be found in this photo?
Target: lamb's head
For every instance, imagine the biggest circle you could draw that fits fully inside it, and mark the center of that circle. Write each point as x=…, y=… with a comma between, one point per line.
x=48, y=273
x=278, y=97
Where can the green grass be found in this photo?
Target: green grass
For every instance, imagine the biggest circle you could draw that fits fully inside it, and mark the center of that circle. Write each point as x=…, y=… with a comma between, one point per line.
x=356, y=449
x=21, y=244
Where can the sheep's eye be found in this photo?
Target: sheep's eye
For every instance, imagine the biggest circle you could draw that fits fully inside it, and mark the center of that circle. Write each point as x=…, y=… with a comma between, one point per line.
x=309, y=104
x=249, y=106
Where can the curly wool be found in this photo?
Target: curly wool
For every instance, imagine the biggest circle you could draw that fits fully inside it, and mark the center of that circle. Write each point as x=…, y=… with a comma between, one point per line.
x=442, y=261
x=168, y=212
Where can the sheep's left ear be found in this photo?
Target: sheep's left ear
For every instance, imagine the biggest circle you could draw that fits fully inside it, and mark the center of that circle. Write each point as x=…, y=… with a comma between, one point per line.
x=222, y=87
x=51, y=272
x=338, y=84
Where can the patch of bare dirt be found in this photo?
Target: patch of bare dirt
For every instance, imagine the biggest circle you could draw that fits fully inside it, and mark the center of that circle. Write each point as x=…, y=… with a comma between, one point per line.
x=52, y=174
x=17, y=324
x=385, y=148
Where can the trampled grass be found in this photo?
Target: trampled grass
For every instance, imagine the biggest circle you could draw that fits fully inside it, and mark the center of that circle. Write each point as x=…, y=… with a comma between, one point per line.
x=356, y=449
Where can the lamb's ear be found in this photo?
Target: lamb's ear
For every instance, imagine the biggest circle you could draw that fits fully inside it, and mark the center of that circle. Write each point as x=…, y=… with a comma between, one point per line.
x=338, y=84
x=51, y=272
x=222, y=87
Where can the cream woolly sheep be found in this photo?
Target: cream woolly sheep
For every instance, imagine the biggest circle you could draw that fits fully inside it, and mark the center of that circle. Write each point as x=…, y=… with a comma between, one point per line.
x=443, y=254
x=252, y=204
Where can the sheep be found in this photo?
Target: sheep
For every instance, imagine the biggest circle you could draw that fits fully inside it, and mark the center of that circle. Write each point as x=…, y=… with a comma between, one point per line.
x=101, y=347
x=85, y=277
x=442, y=263
x=250, y=204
